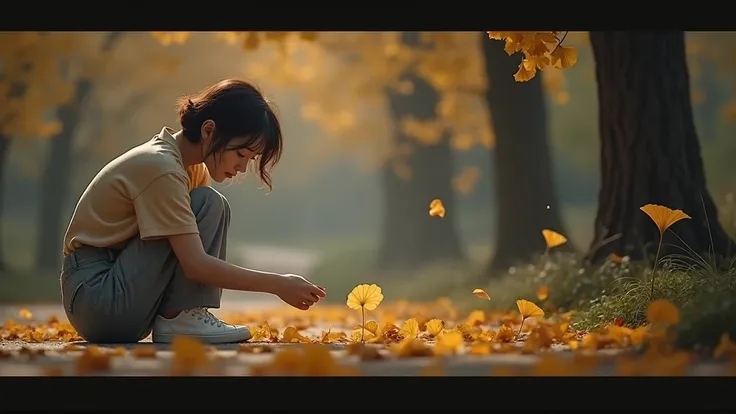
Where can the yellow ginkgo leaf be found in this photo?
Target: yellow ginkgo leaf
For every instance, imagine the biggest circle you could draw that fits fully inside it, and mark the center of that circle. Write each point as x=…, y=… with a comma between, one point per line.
x=448, y=343
x=436, y=208
x=371, y=326
x=497, y=35
x=291, y=335
x=529, y=309
x=365, y=296
x=543, y=293
x=553, y=238
x=481, y=294
x=434, y=327
x=663, y=312
x=524, y=74
x=476, y=317
x=564, y=57
x=410, y=329
x=663, y=217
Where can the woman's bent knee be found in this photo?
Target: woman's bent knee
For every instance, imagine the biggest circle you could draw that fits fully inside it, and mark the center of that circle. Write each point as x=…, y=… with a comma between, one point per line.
x=208, y=198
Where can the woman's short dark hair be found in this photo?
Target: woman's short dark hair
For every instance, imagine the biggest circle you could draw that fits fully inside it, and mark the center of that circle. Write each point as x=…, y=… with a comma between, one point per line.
x=239, y=110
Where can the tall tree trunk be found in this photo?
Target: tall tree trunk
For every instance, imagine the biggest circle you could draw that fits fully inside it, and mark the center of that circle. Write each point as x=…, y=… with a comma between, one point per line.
x=410, y=236
x=55, y=181
x=4, y=148
x=649, y=147
x=524, y=174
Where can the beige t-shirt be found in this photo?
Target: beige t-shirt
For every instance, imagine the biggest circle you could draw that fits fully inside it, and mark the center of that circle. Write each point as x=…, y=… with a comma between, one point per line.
x=145, y=192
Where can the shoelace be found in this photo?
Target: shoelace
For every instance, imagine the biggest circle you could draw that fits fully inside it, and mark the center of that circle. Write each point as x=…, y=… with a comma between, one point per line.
x=204, y=315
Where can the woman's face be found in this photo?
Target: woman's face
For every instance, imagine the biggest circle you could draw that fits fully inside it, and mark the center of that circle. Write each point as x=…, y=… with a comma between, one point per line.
x=228, y=162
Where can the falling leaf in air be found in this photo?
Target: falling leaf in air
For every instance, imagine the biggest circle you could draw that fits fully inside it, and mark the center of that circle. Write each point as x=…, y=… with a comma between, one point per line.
x=663, y=217
x=364, y=297
x=481, y=294
x=553, y=238
x=436, y=208
x=543, y=293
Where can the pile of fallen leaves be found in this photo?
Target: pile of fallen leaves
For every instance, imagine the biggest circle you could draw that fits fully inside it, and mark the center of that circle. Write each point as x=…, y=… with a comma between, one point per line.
x=329, y=335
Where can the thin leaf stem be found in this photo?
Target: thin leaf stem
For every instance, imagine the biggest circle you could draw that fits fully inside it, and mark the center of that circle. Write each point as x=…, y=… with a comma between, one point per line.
x=362, y=332
x=656, y=261
x=560, y=42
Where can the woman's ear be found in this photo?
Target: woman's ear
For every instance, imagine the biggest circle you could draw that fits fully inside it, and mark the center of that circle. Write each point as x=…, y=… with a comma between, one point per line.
x=208, y=129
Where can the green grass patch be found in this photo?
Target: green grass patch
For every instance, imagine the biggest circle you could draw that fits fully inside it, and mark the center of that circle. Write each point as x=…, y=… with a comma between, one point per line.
x=599, y=294
x=704, y=294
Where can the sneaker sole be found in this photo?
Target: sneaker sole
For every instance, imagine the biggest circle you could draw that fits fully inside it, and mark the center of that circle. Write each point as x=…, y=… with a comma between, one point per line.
x=226, y=338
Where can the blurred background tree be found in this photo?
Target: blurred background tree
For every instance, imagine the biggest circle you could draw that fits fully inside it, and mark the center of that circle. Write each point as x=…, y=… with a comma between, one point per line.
x=377, y=125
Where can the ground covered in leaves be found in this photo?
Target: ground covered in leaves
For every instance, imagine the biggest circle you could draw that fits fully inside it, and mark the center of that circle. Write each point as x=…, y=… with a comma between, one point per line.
x=391, y=339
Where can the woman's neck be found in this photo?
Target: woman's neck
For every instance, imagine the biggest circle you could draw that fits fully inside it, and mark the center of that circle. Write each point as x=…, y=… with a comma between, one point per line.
x=191, y=154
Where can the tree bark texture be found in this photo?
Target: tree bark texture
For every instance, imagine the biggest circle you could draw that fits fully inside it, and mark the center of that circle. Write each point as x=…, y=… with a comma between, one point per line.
x=649, y=148
x=410, y=236
x=525, y=183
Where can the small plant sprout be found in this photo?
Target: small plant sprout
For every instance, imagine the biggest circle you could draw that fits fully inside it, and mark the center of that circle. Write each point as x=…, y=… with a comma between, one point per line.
x=663, y=217
x=527, y=309
x=364, y=297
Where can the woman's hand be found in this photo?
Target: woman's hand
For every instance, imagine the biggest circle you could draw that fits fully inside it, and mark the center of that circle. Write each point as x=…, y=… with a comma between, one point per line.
x=298, y=291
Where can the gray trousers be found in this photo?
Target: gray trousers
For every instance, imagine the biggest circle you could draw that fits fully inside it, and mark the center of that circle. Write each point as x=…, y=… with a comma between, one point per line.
x=114, y=296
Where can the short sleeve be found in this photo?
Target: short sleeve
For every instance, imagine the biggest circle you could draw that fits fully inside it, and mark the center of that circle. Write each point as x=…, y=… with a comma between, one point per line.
x=163, y=208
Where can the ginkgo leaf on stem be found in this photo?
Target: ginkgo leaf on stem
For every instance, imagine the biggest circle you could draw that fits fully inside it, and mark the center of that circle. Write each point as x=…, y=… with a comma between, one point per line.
x=663, y=217
x=527, y=309
x=365, y=296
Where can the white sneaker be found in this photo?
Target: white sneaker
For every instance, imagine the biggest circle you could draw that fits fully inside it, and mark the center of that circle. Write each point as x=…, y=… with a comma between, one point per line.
x=200, y=324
